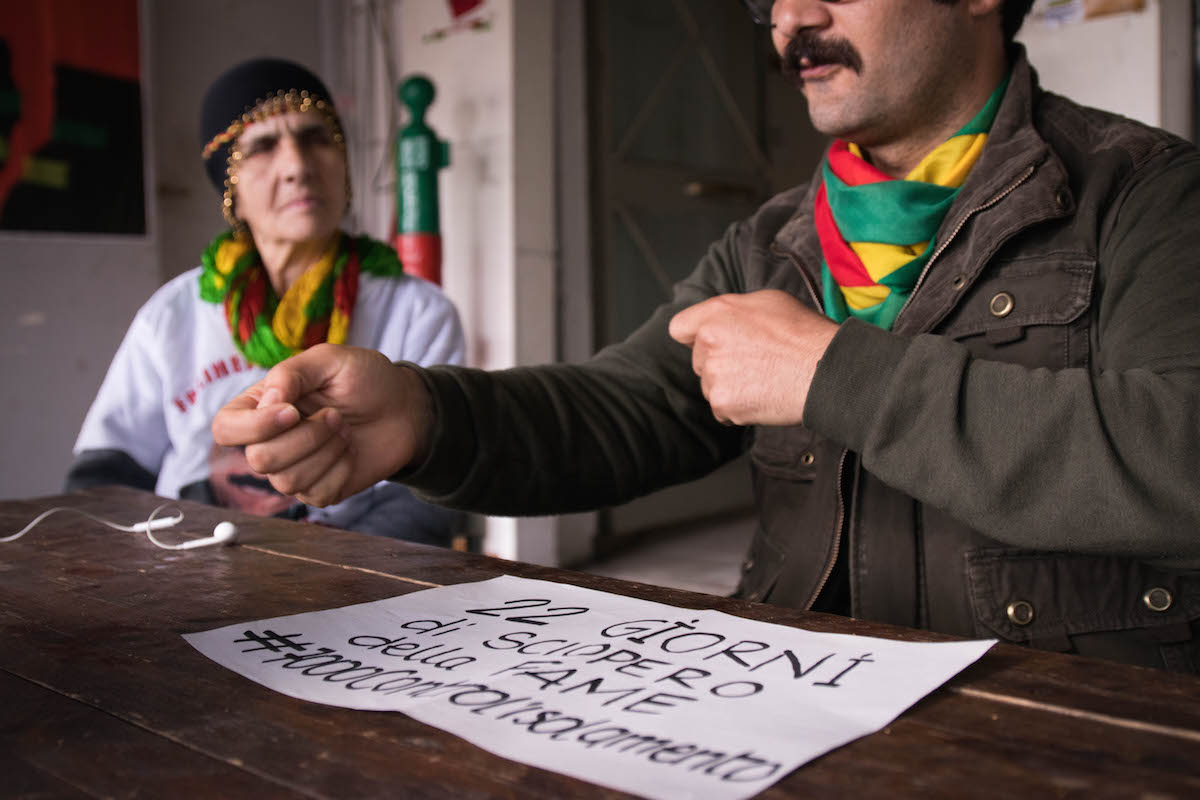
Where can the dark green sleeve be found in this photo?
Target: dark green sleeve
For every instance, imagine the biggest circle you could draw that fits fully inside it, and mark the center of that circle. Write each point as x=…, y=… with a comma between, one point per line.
x=561, y=438
x=1100, y=460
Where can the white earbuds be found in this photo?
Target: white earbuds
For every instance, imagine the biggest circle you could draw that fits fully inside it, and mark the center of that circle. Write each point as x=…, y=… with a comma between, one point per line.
x=224, y=533
x=154, y=524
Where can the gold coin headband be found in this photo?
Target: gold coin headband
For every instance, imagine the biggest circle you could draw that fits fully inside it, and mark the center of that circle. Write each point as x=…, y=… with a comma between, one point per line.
x=280, y=103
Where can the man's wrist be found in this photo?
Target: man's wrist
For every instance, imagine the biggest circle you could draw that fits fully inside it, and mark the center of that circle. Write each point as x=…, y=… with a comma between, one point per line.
x=449, y=453
x=420, y=414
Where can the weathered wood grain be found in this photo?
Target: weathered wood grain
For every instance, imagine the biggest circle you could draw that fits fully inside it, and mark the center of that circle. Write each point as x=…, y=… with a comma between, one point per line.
x=100, y=697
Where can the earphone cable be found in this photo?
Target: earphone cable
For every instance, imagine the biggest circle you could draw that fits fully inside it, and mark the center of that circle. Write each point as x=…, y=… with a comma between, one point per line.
x=139, y=528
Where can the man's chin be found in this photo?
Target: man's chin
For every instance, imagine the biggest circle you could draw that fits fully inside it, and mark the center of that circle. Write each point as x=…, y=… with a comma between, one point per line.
x=829, y=125
x=832, y=117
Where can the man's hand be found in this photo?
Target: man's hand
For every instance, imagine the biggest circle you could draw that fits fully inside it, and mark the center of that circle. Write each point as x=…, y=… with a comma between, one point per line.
x=329, y=422
x=755, y=354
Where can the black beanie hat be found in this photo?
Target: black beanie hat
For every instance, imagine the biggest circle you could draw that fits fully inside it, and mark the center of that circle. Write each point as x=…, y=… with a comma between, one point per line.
x=253, y=90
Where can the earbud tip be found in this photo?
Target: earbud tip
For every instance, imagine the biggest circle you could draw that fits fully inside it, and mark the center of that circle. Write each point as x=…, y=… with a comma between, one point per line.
x=225, y=532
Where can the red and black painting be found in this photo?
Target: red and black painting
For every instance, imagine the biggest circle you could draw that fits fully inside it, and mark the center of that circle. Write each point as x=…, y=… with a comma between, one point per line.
x=71, y=117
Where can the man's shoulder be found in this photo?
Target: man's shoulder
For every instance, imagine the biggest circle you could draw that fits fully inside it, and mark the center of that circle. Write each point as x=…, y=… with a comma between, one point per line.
x=1074, y=129
x=792, y=198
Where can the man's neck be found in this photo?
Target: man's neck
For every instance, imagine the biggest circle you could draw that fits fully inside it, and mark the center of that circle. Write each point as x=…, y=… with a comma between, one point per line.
x=898, y=156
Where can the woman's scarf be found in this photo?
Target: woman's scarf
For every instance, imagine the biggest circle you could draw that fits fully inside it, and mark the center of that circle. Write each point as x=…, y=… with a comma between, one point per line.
x=877, y=232
x=317, y=308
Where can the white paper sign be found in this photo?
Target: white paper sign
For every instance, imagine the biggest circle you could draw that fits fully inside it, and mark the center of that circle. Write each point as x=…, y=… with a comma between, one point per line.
x=643, y=697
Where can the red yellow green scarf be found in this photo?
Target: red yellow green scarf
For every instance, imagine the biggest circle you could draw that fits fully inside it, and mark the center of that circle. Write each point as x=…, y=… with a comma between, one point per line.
x=877, y=232
x=317, y=308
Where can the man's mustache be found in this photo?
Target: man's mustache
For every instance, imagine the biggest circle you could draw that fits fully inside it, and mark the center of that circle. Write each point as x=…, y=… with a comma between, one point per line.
x=807, y=50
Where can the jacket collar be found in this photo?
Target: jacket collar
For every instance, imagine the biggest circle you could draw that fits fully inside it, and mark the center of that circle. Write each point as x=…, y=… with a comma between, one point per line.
x=1015, y=159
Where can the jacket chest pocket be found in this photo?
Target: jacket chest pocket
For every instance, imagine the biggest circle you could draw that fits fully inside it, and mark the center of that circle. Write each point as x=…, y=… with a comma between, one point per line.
x=1028, y=311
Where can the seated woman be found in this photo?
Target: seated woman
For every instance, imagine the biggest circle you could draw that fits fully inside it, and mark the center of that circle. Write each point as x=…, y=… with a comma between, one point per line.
x=283, y=278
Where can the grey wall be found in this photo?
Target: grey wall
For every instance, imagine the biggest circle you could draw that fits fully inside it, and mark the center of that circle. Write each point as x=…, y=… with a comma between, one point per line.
x=65, y=301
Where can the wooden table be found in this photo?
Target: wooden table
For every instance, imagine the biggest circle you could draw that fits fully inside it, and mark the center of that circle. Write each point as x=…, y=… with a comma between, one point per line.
x=93, y=700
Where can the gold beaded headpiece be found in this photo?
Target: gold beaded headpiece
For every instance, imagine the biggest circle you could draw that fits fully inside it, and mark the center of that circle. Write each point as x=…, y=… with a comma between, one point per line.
x=248, y=93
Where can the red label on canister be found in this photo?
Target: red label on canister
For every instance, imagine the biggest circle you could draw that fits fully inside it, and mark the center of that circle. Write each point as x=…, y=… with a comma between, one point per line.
x=421, y=255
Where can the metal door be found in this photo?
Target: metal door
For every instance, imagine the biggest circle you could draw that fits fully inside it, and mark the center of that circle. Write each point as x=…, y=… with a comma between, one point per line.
x=692, y=129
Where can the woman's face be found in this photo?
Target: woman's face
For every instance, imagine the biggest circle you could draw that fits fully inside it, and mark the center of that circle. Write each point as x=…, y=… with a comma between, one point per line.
x=290, y=179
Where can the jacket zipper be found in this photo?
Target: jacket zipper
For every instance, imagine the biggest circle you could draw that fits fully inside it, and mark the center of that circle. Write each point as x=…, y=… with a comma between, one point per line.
x=808, y=282
x=841, y=498
x=837, y=539
x=1024, y=176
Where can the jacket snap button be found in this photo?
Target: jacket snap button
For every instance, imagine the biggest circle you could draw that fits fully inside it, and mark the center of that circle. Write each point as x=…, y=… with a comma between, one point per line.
x=807, y=459
x=1157, y=599
x=1001, y=304
x=748, y=565
x=959, y=282
x=1019, y=612
x=1062, y=198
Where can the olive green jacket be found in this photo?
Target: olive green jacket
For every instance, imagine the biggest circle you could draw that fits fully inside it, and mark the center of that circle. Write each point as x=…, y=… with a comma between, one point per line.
x=1018, y=458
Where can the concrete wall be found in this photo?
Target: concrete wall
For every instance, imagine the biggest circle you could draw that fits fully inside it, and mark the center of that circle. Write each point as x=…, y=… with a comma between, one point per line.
x=1136, y=63
x=473, y=72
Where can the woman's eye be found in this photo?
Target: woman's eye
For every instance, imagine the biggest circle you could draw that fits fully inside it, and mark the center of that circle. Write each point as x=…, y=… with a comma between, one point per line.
x=259, y=146
x=314, y=137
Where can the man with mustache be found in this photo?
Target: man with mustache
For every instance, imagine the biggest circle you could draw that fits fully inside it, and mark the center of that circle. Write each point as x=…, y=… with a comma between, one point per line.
x=965, y=360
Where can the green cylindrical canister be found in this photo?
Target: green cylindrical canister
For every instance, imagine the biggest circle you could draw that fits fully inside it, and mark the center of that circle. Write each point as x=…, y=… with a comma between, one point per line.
x=419, y=156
